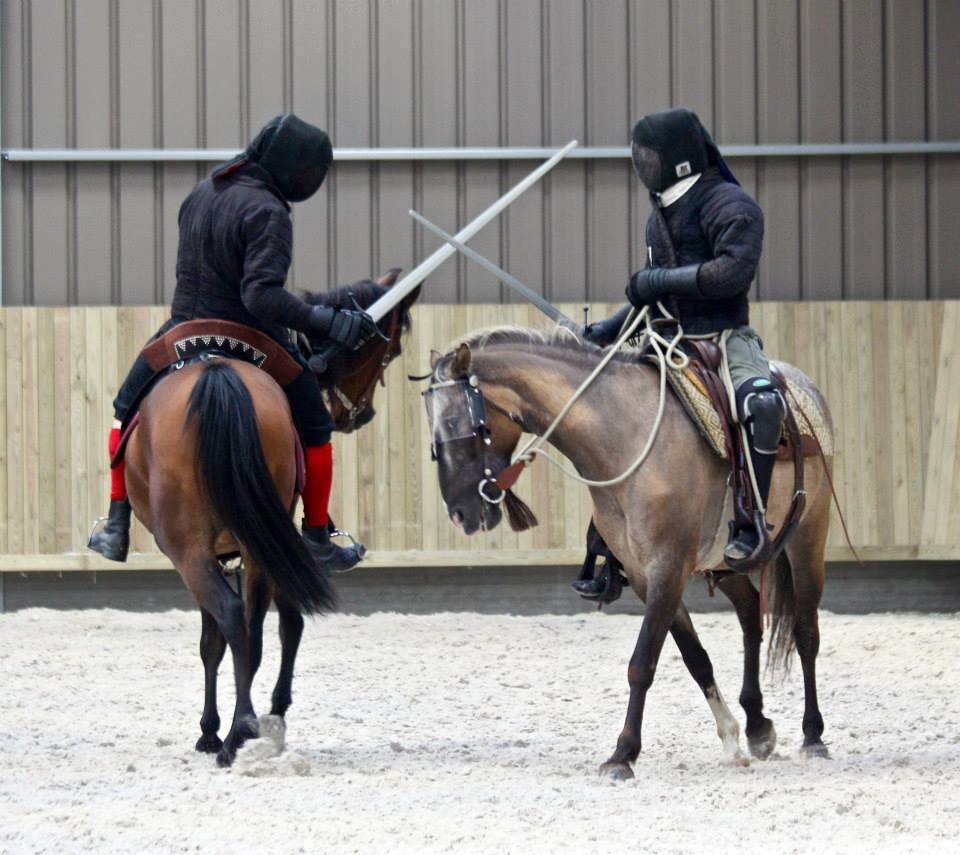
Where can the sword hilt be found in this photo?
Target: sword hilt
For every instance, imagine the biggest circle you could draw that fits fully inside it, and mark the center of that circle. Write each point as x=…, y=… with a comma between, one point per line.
x=322, y=358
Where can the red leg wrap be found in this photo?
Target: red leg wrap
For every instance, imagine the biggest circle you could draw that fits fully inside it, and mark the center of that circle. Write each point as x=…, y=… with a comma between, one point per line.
x=319, y=480
x=118, y=486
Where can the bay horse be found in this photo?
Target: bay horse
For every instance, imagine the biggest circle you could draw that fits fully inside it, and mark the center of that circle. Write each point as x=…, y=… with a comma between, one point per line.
x=211, y=472
x=664, y=522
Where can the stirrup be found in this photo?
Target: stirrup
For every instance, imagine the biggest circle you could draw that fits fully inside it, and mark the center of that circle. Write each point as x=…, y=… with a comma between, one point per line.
x=97, y=527
x=611, y=585
x=762, y=552
x=358, y=547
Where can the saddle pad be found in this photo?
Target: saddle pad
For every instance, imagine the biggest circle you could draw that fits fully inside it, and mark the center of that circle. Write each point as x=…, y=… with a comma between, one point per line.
x=694, y=399
x=811, y=419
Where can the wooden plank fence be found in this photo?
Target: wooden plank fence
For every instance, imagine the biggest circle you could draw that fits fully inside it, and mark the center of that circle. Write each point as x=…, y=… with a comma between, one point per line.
x=890, y=370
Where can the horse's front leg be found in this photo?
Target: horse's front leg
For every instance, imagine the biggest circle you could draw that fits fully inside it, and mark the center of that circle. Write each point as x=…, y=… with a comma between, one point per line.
x=664, y=589
x=257, y=595
x=212, y=647
x=701, y=669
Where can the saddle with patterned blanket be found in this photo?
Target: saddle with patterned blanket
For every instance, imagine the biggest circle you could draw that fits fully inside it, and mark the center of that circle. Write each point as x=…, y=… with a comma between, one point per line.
x=700, y=391
x=703, y=395
x=205, y=339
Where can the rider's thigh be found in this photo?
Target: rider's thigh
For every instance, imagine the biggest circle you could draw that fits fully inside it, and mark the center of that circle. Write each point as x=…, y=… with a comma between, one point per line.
x=745, y=356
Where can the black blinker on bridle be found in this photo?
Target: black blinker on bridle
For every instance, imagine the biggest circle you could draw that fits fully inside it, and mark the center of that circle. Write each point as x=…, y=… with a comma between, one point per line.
x=476, y=430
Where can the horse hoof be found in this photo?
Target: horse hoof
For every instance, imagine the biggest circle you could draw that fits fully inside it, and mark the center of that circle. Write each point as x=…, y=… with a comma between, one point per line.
x=616, y=771
x=247, y=728
x=763, y=742
x=736, y=760
x=815, y=749
x=209, y=743
x=225, y=757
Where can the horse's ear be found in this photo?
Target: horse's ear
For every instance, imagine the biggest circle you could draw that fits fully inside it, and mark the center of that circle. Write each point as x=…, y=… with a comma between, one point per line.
x=461, y=362
x=390, y=277
x=435, y=357
x=411, y=298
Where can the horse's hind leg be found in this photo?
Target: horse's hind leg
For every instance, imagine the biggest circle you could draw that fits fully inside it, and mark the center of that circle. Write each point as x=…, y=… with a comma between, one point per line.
x=761, y=736
x=212, y=647
x=213, y=593
x=701, y=669
x=807, y=574
x=291, y=629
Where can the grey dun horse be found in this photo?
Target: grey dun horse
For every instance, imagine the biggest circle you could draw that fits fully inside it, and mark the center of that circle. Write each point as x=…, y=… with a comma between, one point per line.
x=664, y=523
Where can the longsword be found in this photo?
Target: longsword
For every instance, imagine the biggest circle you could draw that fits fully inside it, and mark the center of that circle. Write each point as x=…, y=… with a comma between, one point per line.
x=542, y=304
x=320, y=360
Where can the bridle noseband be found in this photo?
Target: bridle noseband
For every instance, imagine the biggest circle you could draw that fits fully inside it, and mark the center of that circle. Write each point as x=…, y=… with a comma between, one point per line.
x=354, y=408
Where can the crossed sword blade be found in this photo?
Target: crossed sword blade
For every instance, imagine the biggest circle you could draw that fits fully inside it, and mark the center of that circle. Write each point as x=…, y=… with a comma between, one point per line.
x=543, y=305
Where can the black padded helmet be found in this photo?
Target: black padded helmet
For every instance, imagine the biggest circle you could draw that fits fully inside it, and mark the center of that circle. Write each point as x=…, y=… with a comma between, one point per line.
x=295, y=153
x=670, y=145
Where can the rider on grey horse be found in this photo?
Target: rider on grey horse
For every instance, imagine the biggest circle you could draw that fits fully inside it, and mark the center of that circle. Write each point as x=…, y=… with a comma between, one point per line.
x=704, y=237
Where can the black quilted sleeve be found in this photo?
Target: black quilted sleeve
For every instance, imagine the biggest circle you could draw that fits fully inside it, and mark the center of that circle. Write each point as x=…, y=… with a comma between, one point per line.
x=267, y=235
x=733, y=224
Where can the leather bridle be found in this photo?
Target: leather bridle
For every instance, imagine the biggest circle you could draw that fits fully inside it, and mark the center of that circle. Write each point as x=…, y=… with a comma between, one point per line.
x=479, y=434
x=389, y=352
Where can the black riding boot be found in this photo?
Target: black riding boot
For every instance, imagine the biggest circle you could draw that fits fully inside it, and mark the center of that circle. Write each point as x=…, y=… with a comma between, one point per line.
x=746, y=539
x=113, y=540
x=332, y=558
x=588, y=587
x=761, y=410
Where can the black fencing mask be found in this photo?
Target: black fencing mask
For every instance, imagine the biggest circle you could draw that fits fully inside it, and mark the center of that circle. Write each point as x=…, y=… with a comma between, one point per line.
x=295, y=153
x=670, y=146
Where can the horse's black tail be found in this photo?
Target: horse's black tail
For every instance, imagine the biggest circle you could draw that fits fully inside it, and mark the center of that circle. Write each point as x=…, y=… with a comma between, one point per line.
x=782, y=644
x=233, y=474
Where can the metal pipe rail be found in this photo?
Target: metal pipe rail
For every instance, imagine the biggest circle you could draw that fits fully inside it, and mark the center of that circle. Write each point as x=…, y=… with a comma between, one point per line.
x=146, y=155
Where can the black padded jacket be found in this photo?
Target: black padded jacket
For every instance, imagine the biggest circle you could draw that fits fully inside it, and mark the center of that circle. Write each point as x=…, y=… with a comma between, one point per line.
x=718, y=225
x=236, y=239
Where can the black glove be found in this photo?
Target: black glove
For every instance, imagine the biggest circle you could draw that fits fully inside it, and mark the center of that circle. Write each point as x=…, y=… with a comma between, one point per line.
x=348, y=327
x=650, y=284
x=605, y=332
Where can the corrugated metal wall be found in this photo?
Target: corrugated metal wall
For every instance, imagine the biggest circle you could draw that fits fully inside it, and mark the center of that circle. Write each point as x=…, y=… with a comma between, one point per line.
x=207, y=73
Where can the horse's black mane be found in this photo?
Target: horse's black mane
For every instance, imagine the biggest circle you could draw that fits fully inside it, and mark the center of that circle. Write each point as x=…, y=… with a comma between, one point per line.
x=365, y=292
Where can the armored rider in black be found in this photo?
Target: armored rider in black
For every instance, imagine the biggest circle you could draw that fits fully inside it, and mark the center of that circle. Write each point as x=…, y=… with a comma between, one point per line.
x=704, y=236
x=236, y=239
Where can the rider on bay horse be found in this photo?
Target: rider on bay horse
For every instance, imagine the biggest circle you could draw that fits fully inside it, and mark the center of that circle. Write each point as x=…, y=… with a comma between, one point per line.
x=235, y=250
x=704, y=237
